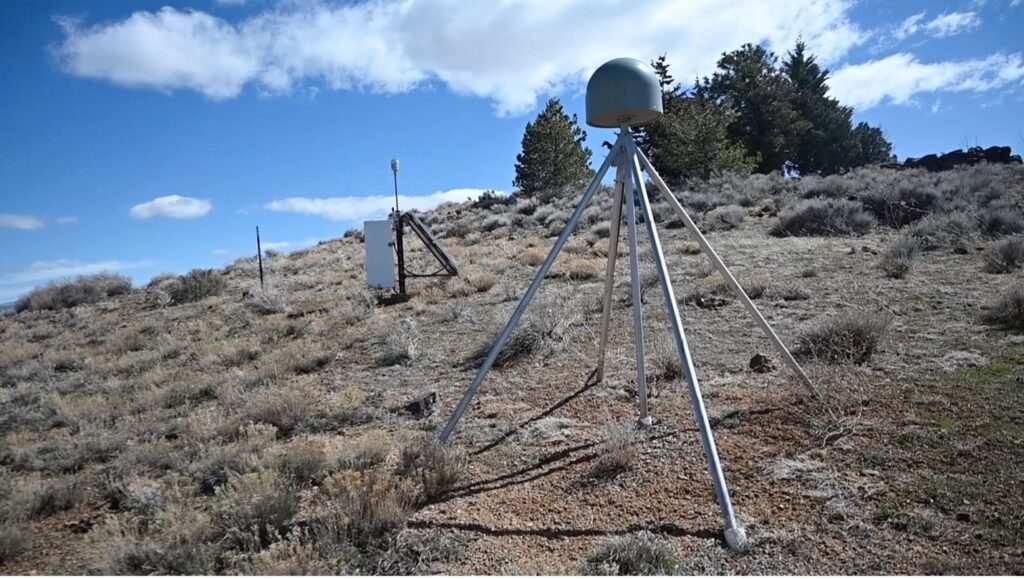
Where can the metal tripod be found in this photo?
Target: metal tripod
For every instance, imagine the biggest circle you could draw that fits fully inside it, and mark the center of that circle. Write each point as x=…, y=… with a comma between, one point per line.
x=629, y=190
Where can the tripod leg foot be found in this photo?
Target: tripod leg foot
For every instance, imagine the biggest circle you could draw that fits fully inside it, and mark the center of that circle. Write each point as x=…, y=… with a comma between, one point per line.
x=646, y=422
x=736, y=538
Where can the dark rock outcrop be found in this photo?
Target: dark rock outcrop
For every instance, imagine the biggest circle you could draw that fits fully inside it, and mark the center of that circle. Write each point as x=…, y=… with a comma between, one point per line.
x=952, y=159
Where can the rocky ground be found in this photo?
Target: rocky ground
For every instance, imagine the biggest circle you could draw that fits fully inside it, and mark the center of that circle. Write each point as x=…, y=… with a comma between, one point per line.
x=132, y=429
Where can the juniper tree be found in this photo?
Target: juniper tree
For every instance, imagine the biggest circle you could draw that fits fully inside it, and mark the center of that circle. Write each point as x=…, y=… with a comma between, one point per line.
x=553, y=153
x=821, y=135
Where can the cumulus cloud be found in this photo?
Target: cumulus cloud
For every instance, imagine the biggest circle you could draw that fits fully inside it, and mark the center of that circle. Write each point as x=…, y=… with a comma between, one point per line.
x=900, y=77
x=172, y=206
x=24, y=222
x=60, y=268
x=511, y=52
x=367, y=207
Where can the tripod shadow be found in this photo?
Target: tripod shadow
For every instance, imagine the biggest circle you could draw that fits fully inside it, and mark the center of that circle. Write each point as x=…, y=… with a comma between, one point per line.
x=587, y=385
x=565, y=533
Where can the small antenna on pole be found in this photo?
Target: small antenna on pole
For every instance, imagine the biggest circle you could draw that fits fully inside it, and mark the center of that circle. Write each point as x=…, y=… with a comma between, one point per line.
x=259, y=254
x=394, y=169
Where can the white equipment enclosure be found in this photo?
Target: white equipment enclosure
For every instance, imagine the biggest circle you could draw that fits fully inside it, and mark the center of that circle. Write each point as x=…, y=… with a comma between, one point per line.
x=380, y=260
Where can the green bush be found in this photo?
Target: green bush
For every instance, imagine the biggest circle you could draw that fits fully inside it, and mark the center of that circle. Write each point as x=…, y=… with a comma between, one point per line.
x=87, y=289
x=196, y=285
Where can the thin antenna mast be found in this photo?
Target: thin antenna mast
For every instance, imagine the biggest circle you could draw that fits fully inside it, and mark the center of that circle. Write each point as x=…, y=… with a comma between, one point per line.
x=259, y=254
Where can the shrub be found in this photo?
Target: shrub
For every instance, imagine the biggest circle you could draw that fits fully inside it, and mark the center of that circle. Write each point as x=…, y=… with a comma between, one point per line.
x=581, y=268
x=302, y=461
x=849, y=337
x=400, y=346
x=363, y=508
x=495, y=222
x=179, y=540
x=724, y=218
x=286, y=558
x=1005, y=256
x=363, y=454
x=899, y=257
x=433, y=466
x=641, y=553
x=14, y=540
x=481, y=281
x=526, y=340
x=618, y=450
x=255, y=506
x=903, y=205
x=196, y=285
x=948, y=231
x=87, y=289
x=35, y=498
x=532, y=256
x=831, y=187
x=815, y=217
x=1007, y=310
x=284, y=408
x=999, y=221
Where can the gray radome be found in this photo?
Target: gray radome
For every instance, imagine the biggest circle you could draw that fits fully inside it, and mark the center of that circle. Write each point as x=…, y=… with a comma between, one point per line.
x=623, y=91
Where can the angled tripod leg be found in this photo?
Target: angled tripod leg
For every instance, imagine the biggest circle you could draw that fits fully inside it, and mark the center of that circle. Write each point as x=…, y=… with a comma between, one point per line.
x=733, y=533
x=638, y=308
x=720, y=265
x=570, y=226
x=613, y=250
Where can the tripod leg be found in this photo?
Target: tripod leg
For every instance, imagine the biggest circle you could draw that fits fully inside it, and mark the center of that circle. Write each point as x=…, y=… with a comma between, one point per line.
x=734, y=534
x=570, y=226
x=638, y=308
x=613, y=250
x=720, y=265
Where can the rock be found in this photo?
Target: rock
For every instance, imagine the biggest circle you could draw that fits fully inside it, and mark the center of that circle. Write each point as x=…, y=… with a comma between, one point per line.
x=951, y=160
x=963, y=517
x=761, y=364
x=422, y=405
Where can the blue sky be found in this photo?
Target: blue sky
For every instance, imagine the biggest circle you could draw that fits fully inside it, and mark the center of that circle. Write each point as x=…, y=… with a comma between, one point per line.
x=143, y=136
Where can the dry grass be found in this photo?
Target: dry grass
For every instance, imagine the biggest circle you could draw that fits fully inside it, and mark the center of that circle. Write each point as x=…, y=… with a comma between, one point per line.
x=815, y=217
x=641, y=553
x=432, y=466
x=618, y=449
x=899, y=258
x=532, y=256
x=364, y=507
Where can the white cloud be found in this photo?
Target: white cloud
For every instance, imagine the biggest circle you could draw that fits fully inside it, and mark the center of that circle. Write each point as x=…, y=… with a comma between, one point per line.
x=173, y=206
x=275, y=245
x=947, y=24
x=952, y=23
x=25, y=222
x=60, y=268
x=511, y=52
x=358, y=208
x=220, y=252
x=67, y=220
x=230, y=2
x=899, y=77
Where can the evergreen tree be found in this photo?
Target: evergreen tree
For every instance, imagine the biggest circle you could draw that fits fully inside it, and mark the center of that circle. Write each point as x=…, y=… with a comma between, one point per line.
x=870, y=146
x=749, y=85
x=695, y=143
x=820, y=138
x=553, y=153
x=691, y=139
x=649, y=135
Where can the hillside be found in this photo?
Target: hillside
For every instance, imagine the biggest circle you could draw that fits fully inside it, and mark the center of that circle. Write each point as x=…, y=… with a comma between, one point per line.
x=278, y=431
